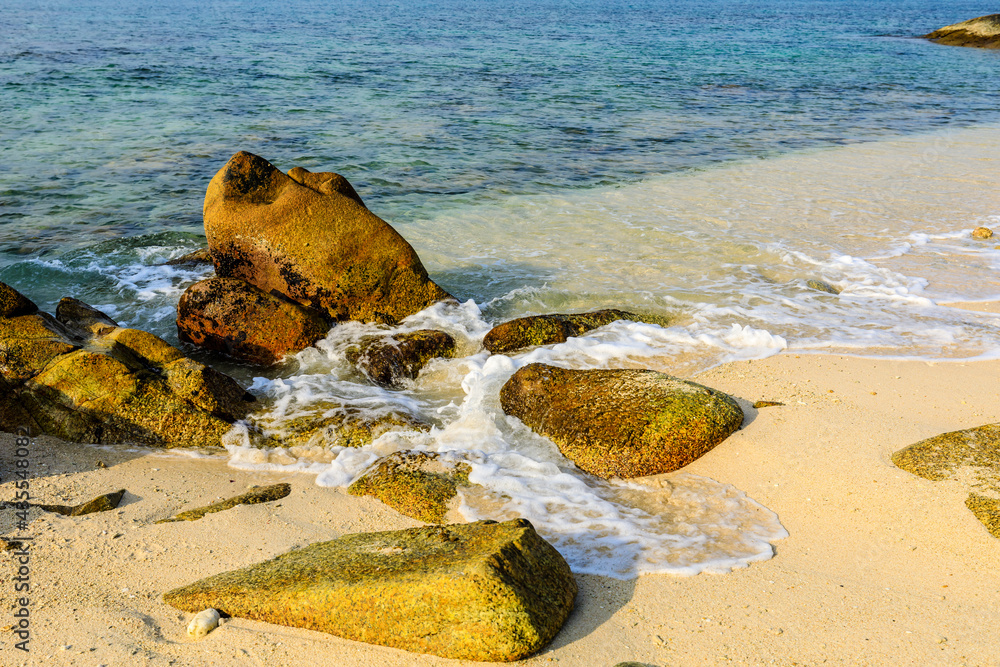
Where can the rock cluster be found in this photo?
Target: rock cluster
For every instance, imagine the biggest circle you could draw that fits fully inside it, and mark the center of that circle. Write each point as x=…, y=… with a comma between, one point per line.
x=81, y=377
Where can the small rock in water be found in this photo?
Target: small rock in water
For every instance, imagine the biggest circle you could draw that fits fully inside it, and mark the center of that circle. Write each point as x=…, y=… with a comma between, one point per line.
x=201, y=256
x=822, y=286
x=550, y=329
x=416, y=484
x=982, y=233
x=389, y=361
x=203, y=623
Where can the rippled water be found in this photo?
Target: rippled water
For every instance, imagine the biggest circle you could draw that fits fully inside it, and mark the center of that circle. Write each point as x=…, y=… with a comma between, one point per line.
x=699, y=160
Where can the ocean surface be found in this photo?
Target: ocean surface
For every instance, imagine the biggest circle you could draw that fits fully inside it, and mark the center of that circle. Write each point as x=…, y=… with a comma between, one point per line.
x=695, y=160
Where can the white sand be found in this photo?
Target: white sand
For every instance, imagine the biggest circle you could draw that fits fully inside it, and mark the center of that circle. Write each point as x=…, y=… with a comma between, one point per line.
x=881, y=567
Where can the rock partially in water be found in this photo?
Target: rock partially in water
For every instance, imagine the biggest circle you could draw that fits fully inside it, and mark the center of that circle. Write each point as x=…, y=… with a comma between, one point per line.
x=342, y=426
x=621, y=423
x=982, y=32
x=234, y=317
x=198, y=257
x=822, y=286
x=103, y=503
x=982, y=233
x=389, y=361
x=550, y=329
x=481, y=591
x=320, y=247
x=417, y=484
x=256, y=495
x=970, y=456
x=85, y=379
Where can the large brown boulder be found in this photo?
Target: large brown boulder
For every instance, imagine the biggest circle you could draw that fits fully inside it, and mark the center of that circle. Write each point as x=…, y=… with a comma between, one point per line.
x=548, y=329
x=621, y=423
x=234, y=317
x=309, y=237
x=389, y=361
x=83, y=378
x=479, y=591
x=982, y=32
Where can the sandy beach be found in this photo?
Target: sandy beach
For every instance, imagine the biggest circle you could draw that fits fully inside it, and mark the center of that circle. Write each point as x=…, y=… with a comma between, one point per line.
x=880, y=568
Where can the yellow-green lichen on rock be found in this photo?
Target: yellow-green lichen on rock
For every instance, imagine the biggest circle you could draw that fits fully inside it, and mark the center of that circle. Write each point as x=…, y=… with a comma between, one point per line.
x=970, y=457
x=537, y=330
x=417, y=484
x=388, y=361
x=255, y=496
x=981, y=32
x=621, y=423
x=13, y=303
x=332, y=424
x=480, y=591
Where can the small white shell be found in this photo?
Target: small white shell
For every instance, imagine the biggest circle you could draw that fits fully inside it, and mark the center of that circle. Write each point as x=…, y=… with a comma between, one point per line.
x=203, y=623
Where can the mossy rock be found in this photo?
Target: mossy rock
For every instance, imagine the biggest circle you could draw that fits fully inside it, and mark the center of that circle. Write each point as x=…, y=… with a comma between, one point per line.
x=982, y=32
x=29, y=343
x=480, y=591
x=621, y=423
x=255, y=496
x=388, y=361
x=13, y=303
x=417, y=484
x=822, y=286
x=970, y=456
x=346, y=427
x=306, y=237
x=536, y=330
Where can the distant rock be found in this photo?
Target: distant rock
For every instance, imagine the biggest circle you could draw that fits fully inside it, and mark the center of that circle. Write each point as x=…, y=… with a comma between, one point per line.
x=389, y=361
x=198, y=257
x=549, y=329
x=256, y=495
x=417, y=484
x=982, y=32
x=970, y=456
x=982, y=233
x=84, y=379
x=233, y=317
x=481, y=591
x=621, y=423
x=308, y=237
x=822, y=286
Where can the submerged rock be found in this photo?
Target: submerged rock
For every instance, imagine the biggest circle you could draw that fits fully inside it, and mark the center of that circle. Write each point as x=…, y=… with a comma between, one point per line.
x=548, y=329
x=621, y=423
x=389, y=361
x=307, y=237
x=822, y=286
x=343, y=426
x=480, y=591
x=417, y=484
x=970, y=456
x=982, y=32
x=982, y=233
x=200, y=256
x=256, y=495
x=234, y=317
x=85, y=379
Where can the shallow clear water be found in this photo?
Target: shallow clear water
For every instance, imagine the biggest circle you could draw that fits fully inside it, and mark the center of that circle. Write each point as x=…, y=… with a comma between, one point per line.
x=700, y=160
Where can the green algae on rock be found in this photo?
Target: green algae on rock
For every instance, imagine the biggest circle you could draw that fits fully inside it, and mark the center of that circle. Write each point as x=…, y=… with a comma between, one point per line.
x=480, y=591
x=306, y=237
x=389, y=361
x=958, y=455
x=103, y=503
x=822, y=286
x=527, y=332
x=233, y=317
x=940, y=457
x=256, y=495
x=83, y=378
x=621, y=423
x=982, y=32
x=341, y=426
x=416, y=484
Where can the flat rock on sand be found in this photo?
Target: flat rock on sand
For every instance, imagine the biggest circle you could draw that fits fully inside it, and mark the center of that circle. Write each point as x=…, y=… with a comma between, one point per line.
x=480, y=591
x=982, y=32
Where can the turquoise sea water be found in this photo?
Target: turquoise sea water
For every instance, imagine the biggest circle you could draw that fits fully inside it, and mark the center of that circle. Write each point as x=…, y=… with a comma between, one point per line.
x=700, y=160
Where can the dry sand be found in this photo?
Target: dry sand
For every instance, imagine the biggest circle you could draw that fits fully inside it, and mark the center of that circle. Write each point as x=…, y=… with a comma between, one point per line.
x=881, y=567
